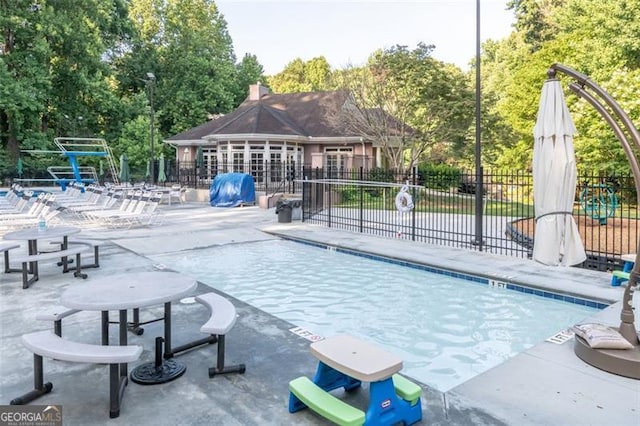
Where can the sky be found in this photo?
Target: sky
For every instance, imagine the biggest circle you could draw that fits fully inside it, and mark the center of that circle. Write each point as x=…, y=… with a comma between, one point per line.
x=346, y=32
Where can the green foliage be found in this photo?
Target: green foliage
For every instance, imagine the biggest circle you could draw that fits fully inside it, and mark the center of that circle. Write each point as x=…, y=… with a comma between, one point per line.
x=79, y=67
x=249, y=71
x=379, y=174
x=439, y=176
x=300, y=76
x=598, y=39
x=349, y=195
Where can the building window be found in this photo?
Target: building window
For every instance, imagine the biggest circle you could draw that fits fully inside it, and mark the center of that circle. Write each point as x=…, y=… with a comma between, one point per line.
x=238, y=162
x=276, y=167
x=257, y=166
x=210, y=161
x=225, y=162
x=336, y=161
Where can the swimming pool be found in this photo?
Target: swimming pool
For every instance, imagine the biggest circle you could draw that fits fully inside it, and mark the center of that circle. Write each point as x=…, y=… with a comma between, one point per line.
x=446, y=329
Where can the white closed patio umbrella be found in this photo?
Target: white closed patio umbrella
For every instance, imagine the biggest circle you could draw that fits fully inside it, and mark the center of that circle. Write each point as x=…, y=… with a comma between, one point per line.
x=556, y=240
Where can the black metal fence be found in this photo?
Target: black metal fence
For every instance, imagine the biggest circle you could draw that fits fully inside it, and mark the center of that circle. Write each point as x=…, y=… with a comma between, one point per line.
x=268, y=177
x=444, y=210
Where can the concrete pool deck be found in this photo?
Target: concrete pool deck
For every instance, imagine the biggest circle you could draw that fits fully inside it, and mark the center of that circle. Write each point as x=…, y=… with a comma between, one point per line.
x=546, y=384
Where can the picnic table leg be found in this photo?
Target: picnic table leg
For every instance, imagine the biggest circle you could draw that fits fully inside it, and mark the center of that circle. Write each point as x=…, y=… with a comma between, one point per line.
x=385, y=404
x=167, y=330
x=64, y=262
x=7, y=268
x=33, y=249
x=329, y=379
x=134, y=326
x=123, y=339
x=39, y=387
x=105, y=328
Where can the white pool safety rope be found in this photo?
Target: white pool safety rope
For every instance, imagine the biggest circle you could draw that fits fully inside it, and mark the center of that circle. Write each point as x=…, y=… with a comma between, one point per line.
x=404, y=202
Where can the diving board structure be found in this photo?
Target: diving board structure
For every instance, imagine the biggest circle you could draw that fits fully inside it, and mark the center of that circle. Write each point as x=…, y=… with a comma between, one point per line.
x=72, y=148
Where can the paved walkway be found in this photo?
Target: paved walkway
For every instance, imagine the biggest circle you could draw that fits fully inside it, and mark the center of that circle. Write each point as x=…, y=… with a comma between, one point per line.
x=547, y=384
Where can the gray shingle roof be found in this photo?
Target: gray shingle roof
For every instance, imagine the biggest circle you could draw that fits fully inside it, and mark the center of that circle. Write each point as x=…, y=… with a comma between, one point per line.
x=311, y=114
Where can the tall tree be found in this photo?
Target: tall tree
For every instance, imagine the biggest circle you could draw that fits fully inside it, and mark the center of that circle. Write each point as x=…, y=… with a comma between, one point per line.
x=54, y=71
x=300, y=76
x=408, y=102
x=249, y=71
x=596, y=38
x=186, y=45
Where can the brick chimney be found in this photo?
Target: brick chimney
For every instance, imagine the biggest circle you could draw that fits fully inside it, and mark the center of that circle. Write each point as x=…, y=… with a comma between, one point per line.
x=256, y=91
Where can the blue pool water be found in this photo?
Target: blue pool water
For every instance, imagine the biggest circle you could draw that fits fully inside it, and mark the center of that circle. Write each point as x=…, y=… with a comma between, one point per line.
x=447, y=330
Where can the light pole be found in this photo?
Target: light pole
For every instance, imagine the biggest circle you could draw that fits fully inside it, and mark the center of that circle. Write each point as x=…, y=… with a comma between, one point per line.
x=151, y=81
x=478, y=151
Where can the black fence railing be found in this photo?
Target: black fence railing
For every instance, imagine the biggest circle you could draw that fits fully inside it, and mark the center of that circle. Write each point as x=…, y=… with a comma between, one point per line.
x=444, y=210
x=268, y=177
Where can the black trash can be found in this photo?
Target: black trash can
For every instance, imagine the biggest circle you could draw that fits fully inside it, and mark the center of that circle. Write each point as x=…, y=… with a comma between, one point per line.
x=283, y=210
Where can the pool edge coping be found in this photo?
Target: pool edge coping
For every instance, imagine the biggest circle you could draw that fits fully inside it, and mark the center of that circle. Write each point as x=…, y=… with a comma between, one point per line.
x=511, y=284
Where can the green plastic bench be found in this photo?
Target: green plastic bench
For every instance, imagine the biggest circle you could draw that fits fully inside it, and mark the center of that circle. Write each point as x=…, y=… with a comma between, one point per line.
x=406, y=389
x=325, y=404
x=618, y=277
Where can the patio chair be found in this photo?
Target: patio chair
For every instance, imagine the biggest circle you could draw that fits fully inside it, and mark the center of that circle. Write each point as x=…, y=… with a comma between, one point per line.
x=128, y=204
x=20, y=203
x=12, y=197
x=39, y=206
x=145, y=212
x=178, y=193
x=105, y=201
x=134, y=206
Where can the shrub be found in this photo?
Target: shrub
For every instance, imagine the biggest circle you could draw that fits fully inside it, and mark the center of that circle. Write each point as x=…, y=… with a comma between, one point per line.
x=439, y=176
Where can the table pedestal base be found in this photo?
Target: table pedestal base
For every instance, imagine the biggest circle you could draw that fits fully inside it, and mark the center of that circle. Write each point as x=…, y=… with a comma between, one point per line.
x=150, y=374
x=159, y=371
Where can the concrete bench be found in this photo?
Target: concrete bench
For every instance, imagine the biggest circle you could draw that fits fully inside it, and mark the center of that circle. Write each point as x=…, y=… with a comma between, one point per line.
x=56, y=315
x=27, y=259
x=222, y=319
x=325, y=404
x=5, y=246
x=48, y=344
x=94, y=244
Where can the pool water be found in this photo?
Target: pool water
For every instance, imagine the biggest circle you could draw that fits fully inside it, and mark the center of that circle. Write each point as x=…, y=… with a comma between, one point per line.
x=447, y=330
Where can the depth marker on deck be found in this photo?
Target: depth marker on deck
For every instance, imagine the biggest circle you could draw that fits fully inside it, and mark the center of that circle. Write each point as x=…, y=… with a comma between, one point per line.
x=560, y=337
x=306, y=334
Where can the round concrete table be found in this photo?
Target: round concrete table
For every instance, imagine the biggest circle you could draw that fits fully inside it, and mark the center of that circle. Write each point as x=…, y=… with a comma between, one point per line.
x=32, y=235
x=132, y=291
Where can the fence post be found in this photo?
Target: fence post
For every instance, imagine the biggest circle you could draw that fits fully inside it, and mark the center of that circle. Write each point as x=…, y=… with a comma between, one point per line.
x=361, y=175
x=479, y=196
x=329, y=202
x=414, y=179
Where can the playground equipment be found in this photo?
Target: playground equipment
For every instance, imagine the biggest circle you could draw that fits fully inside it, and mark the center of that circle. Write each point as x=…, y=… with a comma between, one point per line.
x=72, y=148
x=599, y=202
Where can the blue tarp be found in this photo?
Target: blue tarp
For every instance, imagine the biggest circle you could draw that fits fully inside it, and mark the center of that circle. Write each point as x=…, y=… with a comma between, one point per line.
x=232, y=190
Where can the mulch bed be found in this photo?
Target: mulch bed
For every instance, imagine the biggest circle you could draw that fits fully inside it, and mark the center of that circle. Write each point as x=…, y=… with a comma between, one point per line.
x=618, y=236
